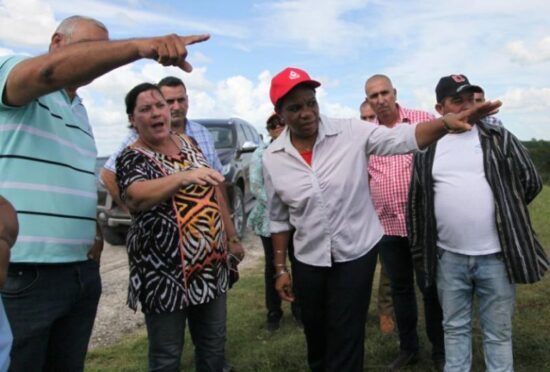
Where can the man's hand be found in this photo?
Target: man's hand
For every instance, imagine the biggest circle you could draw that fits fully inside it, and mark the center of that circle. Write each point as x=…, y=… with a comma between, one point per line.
x=9, y=229
x=283, y=286
x=95, y=252
x=458, y=123
x=169, y=50
x=4, y=261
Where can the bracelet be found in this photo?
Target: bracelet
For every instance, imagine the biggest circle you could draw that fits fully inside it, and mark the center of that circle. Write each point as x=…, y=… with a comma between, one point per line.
x=234, y=239
x=280, y=265
x=446, y=126
x=281, y=273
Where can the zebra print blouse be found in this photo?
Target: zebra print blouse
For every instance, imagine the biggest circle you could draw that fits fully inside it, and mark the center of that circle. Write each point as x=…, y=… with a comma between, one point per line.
x=176, y=250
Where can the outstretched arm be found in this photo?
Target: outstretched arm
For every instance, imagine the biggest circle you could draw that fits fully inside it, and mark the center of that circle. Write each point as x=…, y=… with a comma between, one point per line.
x=77, y=64
x=430, y=131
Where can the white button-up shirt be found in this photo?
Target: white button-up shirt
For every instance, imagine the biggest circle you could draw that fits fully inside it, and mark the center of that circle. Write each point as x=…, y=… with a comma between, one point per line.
x=329, y=204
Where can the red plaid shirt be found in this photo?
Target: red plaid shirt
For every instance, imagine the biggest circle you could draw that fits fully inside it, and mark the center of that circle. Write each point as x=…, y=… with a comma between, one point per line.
x=389, y=178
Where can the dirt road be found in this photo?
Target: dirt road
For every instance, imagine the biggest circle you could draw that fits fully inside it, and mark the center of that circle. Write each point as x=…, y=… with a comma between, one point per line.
x=114, y=319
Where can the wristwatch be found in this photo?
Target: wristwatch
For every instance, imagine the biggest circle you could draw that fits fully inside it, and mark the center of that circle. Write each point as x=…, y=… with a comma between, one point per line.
x=234, y=239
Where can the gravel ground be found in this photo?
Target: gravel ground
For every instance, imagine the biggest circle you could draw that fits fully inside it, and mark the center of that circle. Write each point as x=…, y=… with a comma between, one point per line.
x=114, y=318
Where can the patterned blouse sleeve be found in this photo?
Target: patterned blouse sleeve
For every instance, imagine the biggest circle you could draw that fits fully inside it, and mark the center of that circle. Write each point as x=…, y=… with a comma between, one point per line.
x=131, y=166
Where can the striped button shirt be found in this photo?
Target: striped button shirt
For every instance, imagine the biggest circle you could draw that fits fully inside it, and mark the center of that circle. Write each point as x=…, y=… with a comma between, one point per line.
x=514, y=182
x=389, y=178
x=47, y=167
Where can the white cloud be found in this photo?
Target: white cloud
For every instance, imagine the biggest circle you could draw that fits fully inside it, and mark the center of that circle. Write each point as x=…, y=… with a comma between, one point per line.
x=337, y=110
x=526, y=100
x=522, y=53
x=316, y=25
x=344, y=42
x=104, y=98
x=138, y=16
x=235, y=96
x=425, y=99
x=26, y=22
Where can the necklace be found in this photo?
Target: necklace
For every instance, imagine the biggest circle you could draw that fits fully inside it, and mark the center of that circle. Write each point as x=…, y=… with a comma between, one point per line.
x=170, y=148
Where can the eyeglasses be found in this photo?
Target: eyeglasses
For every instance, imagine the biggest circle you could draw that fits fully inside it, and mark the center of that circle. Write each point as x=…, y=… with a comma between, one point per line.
x=274, y=125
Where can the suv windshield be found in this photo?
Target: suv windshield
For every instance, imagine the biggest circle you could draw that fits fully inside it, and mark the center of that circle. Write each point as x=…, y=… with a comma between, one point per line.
x=223, y=136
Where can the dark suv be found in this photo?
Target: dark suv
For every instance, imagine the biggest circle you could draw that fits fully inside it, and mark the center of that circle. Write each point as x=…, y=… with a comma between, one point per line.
x=235, y=141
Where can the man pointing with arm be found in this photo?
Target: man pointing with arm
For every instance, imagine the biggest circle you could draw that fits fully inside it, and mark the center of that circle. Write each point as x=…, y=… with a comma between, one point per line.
x=47, y=166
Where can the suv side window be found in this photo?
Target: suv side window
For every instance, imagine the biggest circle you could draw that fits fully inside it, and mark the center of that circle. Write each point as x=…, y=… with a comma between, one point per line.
x=241, y=133
x=252, y=134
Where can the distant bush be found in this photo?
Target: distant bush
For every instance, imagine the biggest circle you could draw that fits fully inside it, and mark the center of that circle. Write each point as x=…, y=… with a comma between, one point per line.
x=540, y=153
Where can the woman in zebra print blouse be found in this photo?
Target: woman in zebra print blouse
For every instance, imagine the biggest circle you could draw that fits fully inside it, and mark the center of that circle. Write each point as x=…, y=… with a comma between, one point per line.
x=177, y=244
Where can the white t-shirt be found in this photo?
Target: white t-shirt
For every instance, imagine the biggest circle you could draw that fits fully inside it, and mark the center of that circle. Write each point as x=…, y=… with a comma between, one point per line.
x=464, y=201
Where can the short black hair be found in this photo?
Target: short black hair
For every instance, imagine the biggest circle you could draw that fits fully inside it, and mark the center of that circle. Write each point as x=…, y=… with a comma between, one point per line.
x=170, y=81
x=132, y=95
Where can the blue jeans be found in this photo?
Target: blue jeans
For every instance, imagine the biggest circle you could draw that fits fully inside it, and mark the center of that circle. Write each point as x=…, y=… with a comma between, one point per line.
x=51, y=309
x=166, y=333
x=396, y=256
x=459, y=278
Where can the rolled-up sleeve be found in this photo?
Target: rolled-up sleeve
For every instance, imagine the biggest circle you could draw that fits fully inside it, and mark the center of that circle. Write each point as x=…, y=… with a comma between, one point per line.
x=7, y=63
x=277, y=210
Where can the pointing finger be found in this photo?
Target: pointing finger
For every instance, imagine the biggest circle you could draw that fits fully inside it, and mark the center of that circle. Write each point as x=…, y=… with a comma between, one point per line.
x=193, y=39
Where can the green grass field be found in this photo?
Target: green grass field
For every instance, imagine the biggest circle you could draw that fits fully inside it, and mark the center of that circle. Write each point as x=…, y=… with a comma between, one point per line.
x=251, y=348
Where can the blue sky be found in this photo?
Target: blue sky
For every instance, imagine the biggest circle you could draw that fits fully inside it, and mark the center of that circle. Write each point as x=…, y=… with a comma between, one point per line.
x=503, y=46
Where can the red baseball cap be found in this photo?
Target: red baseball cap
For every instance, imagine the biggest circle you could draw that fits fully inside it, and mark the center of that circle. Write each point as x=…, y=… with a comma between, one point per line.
x=284, y=81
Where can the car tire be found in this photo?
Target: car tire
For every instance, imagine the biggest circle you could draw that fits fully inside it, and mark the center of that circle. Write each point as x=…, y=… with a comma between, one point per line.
x=237, y=211
x=114, y=236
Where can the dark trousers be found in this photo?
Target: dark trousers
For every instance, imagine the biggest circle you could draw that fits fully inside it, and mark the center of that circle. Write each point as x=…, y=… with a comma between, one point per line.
x=334, y=302
x=396, y=256
x=51, y=310
x=166, y=333
x=272, y=299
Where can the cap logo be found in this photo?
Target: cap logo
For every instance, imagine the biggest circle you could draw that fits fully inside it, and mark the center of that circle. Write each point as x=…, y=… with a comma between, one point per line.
x=293, y=75
x=458, y=78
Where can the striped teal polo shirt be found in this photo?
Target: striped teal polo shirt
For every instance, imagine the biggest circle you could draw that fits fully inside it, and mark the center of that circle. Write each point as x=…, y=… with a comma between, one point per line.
x=47, y=162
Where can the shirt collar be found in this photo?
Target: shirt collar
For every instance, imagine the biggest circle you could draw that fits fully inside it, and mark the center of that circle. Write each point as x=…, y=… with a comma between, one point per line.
x=485, y=130
x=403, y=115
